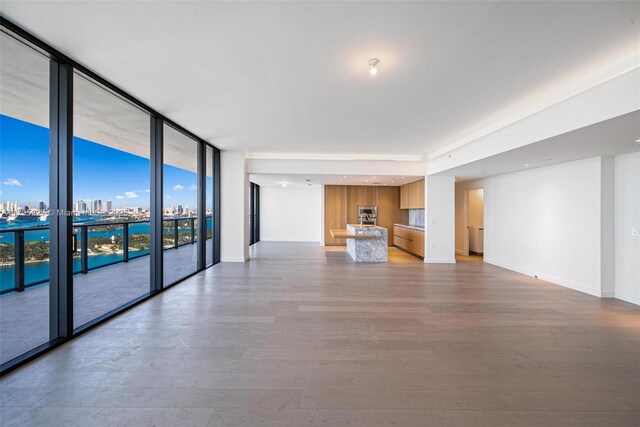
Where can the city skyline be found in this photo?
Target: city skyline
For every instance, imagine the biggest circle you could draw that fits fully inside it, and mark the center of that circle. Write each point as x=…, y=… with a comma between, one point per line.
x=100, y=172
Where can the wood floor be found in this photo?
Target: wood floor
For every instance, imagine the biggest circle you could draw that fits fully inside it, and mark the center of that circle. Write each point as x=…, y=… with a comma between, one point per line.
x=302, y=336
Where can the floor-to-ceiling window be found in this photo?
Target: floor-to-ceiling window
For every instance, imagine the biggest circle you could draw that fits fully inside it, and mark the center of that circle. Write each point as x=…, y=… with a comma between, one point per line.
x=111, y=187
x=209, y=193
x=24, y=196
x=80, y=168
x=180, y=205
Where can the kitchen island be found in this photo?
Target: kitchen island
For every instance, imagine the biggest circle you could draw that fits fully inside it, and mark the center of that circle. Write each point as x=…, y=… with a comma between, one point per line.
x=365, y=243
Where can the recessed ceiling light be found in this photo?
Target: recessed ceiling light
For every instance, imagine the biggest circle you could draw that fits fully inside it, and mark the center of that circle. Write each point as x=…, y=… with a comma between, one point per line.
x=402, y=177
x=392, y=181
x=374, y=177
x=638, y=141
x=344, y=176
x=373, y=66
x=526, y=164
x=284, y=185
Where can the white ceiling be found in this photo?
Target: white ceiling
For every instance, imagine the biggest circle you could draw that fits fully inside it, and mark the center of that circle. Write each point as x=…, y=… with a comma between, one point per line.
x=299, y=180
x=292, y=77
x=609, y=138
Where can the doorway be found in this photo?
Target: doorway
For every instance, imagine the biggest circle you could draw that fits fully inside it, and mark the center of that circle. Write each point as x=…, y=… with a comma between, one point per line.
x=474, y=222
x=254, y=214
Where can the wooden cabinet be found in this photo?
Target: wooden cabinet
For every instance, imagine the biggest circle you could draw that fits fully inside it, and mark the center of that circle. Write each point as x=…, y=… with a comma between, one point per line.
x=341, y=208
x=334, y=212
x=359, y=195
x=412, y=195
x=409, y=239
x=389, y=211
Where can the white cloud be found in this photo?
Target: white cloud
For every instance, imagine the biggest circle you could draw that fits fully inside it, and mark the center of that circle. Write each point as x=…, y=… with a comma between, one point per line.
x=193, y=187
x=12, y=182
x=119, y=197
x=178, y=187
x=130, y=194
x=168, y=197
x=147, y=191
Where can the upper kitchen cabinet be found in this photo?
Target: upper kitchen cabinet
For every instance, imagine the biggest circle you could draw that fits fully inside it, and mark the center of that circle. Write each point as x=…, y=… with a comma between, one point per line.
x=359, y=195
x=412, y=195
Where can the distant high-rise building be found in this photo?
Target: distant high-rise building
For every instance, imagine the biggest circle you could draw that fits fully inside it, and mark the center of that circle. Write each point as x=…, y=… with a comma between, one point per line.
x=96, y=206
x=42, y=206
x=109, y=205
x=81, y=206
x=180, y=210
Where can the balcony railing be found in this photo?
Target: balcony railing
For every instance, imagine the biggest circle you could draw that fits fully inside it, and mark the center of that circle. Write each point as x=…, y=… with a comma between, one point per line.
x=95, y=245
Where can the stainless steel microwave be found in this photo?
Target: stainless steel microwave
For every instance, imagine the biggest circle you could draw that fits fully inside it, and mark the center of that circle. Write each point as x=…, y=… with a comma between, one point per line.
x=370, y=211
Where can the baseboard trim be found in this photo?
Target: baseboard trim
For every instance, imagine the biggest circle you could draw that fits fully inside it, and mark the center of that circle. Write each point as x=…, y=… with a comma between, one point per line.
x=459, y=252
x=235, y=259
x=548, y=278
x=440, y=260
x=626, y=297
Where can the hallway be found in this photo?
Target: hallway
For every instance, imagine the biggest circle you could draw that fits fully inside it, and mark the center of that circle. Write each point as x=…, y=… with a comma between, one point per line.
x=301, y=336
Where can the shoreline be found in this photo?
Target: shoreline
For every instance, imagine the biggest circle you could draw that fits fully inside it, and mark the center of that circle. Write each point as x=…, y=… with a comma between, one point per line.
x=12, y=264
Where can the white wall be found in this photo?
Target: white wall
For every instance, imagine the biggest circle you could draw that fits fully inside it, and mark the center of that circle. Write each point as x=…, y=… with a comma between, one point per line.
x=291, y=214
x=234, y=214
x=547, y=222
x=627, y=217
x=440, y=220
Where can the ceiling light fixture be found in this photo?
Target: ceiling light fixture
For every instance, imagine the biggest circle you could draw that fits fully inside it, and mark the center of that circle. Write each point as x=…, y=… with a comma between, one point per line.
x=638, y=141
x=373, y=64
x=526, y=164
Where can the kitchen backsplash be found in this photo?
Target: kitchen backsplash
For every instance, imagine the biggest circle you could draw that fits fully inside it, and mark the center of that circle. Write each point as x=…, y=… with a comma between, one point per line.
x=416, y=217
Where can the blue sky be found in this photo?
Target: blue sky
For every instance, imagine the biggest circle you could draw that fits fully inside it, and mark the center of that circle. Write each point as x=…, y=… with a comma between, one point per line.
x=100, y=172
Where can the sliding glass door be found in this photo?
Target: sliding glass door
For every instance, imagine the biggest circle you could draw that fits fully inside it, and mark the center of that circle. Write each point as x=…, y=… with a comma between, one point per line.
x=24, y=196
x=111, y=186
x=180, y=206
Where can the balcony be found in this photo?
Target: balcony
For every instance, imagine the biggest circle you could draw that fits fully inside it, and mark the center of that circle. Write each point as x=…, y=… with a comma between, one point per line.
x=103, y=280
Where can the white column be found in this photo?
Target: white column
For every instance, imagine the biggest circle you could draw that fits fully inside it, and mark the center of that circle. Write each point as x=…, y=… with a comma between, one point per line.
x=607, y=227
x=440, y=220
x=234, y=200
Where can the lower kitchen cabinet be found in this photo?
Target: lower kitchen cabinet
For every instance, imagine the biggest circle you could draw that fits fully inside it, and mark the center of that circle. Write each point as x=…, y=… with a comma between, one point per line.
x=409, y=239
